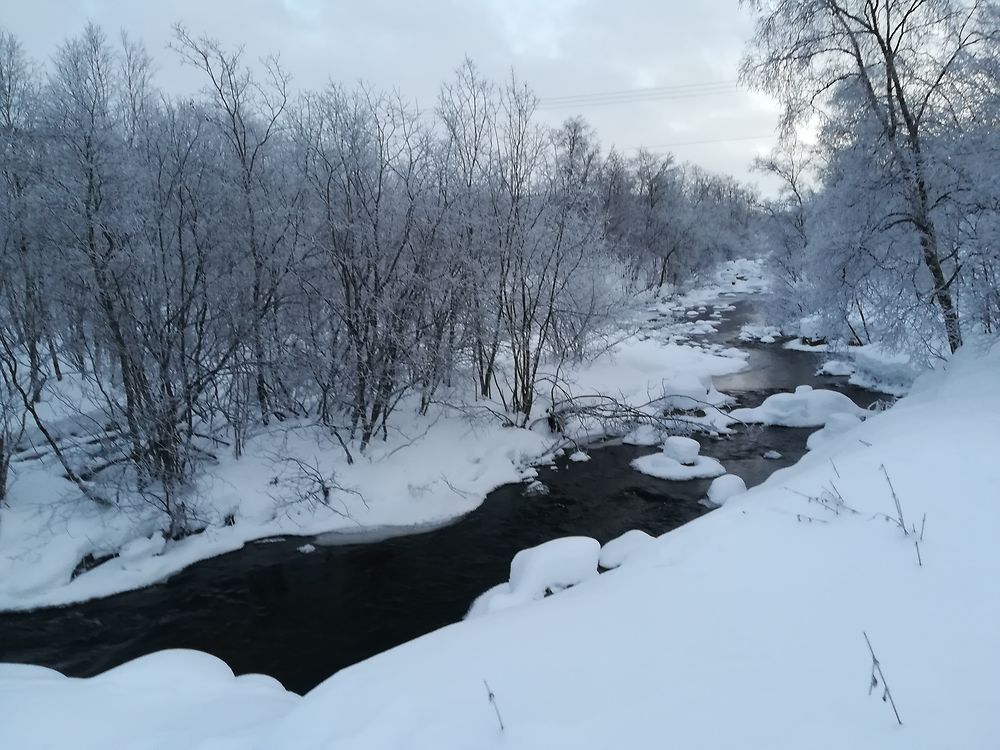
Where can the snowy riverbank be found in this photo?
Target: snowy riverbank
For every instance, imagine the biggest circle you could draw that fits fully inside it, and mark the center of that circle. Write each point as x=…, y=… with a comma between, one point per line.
x=430, y=469
x=742, y=629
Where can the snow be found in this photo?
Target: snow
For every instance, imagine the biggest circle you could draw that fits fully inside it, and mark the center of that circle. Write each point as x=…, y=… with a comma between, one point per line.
x=882, y=370
x=682, y=449
x=578, y=456
x=743, y=629
x=539, y=571
x=431, y=469
x=836, y=367
x=725, y=487
x=305, y=549
x=771, y=455
x=679, y=461
x=800, y=345
x=836, y=425
x=806, y=407
x=167, y=700
x=766, y=334
x=621, y=549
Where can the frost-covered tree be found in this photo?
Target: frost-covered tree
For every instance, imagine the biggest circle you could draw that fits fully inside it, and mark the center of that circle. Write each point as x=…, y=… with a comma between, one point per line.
x=890, y=84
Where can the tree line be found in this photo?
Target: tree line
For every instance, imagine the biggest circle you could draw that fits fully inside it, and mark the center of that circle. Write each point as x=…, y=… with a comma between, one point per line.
x=203, y=267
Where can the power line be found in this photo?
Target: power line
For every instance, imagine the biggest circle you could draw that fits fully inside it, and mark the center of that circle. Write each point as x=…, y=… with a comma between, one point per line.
x=629, y=96
x=766, y=136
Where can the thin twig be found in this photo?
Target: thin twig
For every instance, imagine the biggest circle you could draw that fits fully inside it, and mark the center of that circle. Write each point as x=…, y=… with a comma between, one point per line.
x=876, y=667
x=493, y=702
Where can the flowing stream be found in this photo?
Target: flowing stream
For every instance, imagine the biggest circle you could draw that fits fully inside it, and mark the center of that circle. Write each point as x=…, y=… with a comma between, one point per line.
x=301, y=617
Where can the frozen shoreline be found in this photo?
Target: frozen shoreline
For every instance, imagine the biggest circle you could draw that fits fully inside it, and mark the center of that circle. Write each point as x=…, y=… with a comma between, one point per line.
x=432, y=470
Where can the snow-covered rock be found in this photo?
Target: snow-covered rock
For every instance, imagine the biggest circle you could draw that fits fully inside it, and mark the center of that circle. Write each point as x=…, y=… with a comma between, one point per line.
x=616, y=552
x=679, y=461
x=685, y=450
x=836, y=425
x=806, y=407
x=724, y=487
x=536, y=488
x=579, y=456
x=836, y=367
x=537, y=571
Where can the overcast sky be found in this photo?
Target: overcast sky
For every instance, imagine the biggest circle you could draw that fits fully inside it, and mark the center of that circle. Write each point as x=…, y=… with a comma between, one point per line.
x=562, y=48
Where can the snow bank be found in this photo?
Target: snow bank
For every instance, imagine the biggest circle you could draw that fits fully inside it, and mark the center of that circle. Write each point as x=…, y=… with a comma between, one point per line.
x=539, y=571
x=431, y=469
x=167, y=700
x=878, y=369
x=835, y=426
x=806, y=407
x=725, y=487
x=742, y=629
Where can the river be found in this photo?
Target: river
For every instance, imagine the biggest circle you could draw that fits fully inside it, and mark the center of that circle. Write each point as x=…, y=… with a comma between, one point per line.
x=300, y=617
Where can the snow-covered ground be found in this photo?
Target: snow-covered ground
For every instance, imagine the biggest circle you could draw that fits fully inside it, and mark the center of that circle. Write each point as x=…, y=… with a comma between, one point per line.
x=744, y=629
x=431, y=469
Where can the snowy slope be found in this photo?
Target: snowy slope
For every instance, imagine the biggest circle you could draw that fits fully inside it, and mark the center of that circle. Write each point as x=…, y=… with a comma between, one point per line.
x=743, y=629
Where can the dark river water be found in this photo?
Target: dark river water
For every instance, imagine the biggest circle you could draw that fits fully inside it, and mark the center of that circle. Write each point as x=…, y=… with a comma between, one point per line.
x=301, y=617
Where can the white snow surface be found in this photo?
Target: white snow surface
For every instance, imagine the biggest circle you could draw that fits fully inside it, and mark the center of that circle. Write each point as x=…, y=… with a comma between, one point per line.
x=621, y=549
x=836, y=367
x=679, y=461
x=539, y=571
x=836, y=425
x=742, y=629
x=724, y=488
x=806, y=407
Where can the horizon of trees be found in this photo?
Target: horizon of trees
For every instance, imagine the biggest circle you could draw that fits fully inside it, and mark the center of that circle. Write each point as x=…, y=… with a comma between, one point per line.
x=202, y=267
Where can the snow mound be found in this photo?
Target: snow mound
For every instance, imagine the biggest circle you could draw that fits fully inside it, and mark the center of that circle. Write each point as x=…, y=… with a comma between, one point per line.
x=765, y=334
x=539, y=571
x=579, y=456
x=771, y=455
x=725, y=487
x=616, y=552
x=682, y=449
x=836, y=425
x=679, y=461
x=170, y=699
x=836, y=367
x=644, y=434
x=806, y=407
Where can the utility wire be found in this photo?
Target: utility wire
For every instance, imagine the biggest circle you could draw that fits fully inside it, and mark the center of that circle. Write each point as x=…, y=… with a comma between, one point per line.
x=629, y=96
x=766, y=136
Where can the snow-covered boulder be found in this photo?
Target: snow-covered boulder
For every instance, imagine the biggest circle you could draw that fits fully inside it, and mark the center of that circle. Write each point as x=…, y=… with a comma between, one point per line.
x=617, y=551
x=806, y=407
x=725, y=487
x=537, y=571
x=679, y=461
x=682, y=449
